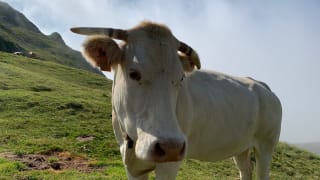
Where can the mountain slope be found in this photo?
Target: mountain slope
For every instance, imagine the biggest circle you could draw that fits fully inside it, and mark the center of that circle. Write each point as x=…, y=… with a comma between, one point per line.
x=17, y=33
x=312, y=147
x=14, y=18
x=46, y=107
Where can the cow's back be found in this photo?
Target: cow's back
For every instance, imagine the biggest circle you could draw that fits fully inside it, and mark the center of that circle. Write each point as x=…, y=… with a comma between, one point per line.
x=220, y=114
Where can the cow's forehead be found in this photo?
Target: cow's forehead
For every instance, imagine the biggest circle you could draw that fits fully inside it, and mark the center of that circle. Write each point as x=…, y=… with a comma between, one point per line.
x=152, y=47
x=150, y=31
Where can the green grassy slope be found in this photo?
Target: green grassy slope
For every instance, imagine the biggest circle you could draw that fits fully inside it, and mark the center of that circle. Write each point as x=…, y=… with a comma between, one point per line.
x=17, y=33
x=45, y=106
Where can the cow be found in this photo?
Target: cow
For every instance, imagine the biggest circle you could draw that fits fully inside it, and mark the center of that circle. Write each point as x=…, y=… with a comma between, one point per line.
x=165, y=109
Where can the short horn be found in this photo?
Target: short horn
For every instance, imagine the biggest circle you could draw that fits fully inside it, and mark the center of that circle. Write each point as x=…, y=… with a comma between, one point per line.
x=187, y=50
x=110, y=32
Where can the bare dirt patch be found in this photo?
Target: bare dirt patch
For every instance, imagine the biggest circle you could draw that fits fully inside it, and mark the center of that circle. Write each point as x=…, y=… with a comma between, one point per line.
x=85, y=138
x=55, y=161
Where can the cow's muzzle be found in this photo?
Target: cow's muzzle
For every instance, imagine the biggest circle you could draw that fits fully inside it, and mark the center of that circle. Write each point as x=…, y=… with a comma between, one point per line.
x=168, y=150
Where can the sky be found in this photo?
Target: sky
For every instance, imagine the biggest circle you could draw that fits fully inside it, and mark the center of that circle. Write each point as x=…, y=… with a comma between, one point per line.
x=277, y=42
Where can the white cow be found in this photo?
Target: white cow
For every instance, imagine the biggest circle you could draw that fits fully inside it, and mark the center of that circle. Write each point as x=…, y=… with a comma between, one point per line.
x=164, y=109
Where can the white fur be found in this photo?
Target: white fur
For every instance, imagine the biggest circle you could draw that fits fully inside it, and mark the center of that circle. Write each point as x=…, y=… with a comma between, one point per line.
x=219, y=116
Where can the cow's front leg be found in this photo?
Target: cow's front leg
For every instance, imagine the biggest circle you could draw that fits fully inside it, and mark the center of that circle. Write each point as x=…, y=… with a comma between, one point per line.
x=167, y=171
x=141, y=177
x=136, y=169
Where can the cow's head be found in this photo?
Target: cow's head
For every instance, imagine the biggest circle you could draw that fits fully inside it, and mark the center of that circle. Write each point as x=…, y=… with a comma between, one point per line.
x=149, y=68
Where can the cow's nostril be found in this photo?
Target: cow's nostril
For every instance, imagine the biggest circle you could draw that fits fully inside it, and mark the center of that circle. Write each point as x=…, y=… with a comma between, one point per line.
x=159, y=151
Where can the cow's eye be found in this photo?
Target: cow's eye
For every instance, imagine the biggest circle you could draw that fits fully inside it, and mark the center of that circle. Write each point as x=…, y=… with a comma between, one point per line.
x=135, y=75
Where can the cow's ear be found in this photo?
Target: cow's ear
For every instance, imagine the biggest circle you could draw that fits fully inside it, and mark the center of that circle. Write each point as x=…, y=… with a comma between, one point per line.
x=102, y=52
x=186, y=62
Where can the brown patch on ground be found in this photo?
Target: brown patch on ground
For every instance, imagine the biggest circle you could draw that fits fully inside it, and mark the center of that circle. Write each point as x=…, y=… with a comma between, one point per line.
x=85, y=138
x=55, y=161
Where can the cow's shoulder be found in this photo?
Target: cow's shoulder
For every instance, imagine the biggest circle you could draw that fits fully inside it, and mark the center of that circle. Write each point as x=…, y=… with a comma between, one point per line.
x=221, y=80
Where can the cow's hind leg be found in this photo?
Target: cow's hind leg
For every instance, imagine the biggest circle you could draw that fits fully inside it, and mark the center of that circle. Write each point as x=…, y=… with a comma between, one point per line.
x=244, y=165
x=263, y=155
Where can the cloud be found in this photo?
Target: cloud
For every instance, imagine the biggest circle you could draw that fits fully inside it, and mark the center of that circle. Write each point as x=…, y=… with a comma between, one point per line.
x=275, y=41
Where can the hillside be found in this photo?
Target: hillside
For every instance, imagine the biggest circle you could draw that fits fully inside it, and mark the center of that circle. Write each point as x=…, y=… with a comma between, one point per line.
x=312, y=147
x=55, y=123
x=17, y=33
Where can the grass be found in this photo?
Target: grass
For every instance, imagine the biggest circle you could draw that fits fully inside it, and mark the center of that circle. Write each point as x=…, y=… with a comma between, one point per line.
x=45, y=106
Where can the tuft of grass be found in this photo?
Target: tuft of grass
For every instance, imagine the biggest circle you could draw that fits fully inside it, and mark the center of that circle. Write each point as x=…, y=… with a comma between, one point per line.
x=20, y=153
x=40, y=88
x=10, y=168
x=53, y=160
x=51, y=149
